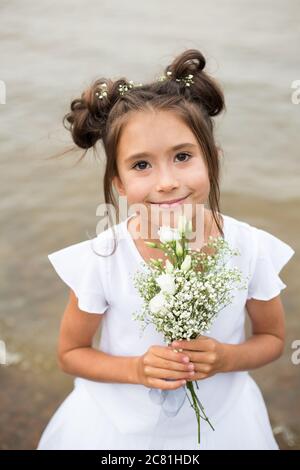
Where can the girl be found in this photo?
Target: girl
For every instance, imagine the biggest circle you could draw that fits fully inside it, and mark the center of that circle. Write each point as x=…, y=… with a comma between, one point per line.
x=160, y=148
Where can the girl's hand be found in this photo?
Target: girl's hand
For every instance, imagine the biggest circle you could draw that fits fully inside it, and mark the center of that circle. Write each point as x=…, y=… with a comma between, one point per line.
x=160, y=363
x=207, y=354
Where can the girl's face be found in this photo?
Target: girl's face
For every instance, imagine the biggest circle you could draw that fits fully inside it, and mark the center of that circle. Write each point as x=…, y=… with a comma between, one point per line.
x=151, y=170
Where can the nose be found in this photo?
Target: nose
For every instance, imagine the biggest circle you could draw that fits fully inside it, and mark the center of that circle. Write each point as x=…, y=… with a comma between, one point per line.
x=166, y=180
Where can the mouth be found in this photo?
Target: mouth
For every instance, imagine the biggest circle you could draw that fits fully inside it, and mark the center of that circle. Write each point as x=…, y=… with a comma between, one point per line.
x=172, y=203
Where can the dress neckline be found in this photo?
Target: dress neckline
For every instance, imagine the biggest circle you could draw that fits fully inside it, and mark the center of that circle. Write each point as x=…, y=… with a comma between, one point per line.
x=133, y=247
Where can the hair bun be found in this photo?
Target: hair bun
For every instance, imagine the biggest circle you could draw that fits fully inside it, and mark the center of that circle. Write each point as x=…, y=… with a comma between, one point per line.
x=87, y=119
x=204, y=89
x=189, y=62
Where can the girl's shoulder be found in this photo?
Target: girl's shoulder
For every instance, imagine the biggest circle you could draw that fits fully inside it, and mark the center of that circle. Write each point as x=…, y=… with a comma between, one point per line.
x=231, y=224
x=264, y=254
x=241, y=235
x=91, y=249
x=259, y=243
x=245, y=233
x=84, y=267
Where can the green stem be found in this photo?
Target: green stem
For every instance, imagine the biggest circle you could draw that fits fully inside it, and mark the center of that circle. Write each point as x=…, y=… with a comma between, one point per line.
x=205, y=417
x=197, y=406
x=194, y=398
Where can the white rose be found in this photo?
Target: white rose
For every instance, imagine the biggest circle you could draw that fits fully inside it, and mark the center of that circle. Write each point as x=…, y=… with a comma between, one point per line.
x=168, y=234
x=166, y=283
x=157, y=303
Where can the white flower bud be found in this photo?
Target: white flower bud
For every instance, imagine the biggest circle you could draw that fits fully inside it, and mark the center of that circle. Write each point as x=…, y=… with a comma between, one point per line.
x=151, y=244
x=169, y=267
x=189, y=227
x=184, y=225
x=186, y=265
x=181, y=226
x=179, y=250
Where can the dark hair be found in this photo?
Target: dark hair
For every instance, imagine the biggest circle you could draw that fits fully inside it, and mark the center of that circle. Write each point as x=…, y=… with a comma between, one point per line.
x=92, y=119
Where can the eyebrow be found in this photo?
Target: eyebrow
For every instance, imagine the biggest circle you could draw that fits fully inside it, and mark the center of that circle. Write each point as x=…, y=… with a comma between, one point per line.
x=146, y=154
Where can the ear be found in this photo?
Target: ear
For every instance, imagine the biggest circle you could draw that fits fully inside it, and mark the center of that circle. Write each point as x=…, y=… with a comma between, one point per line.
x=119, y=185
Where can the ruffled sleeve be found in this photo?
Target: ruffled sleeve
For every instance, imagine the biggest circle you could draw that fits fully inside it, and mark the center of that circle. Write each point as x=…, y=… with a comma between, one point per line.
x=270, y=255
x=85, y=273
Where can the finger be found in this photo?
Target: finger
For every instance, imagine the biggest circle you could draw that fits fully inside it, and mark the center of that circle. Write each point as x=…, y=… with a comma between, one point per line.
x=177, y=341
x=165, y=384
x=201, y=357
x=199, y=344
x=167, y=374
x=198, y=376
x=169, y=354
x=202, y=368
x=171, y=365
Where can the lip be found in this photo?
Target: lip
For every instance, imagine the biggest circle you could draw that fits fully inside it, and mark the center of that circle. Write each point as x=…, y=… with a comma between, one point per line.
x=171, y=203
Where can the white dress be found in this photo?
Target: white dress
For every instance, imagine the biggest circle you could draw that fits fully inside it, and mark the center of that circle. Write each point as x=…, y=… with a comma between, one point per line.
x=99, y=415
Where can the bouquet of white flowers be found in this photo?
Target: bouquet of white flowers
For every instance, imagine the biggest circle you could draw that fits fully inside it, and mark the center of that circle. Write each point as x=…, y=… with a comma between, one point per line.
x=182, y=298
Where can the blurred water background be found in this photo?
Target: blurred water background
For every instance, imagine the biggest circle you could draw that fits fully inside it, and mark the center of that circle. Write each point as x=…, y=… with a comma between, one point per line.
x=51, y=50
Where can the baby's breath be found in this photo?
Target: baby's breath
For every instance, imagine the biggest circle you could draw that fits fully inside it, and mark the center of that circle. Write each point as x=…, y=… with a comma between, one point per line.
x=200, y=293
x=183, y=297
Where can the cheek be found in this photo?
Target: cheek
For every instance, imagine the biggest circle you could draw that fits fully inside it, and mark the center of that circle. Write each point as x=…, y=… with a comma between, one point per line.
x=136, y=190
x=199, y=180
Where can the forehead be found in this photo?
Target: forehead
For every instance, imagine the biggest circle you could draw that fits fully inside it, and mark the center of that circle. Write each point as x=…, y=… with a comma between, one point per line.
x=151, y=131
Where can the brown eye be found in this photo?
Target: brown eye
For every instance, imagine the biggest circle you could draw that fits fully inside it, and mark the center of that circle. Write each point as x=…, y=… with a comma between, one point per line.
x=185, y=154
x=139, y=163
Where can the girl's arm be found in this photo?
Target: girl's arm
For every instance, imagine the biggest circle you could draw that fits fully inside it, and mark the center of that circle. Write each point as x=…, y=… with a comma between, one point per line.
x=268, y=333
x=265, y=345
x=77, y=357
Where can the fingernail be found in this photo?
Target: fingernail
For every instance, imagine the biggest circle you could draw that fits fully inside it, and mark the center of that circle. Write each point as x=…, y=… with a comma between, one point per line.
x=186, y=359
